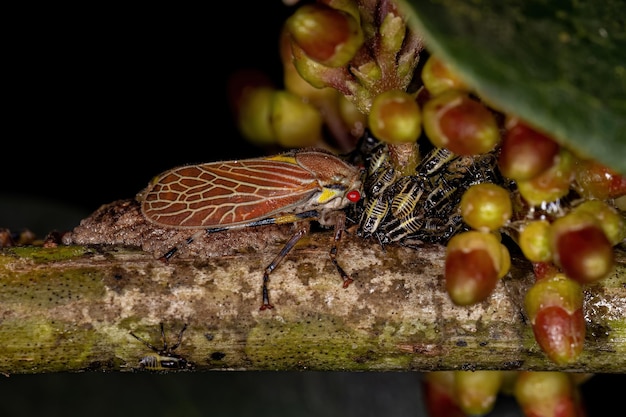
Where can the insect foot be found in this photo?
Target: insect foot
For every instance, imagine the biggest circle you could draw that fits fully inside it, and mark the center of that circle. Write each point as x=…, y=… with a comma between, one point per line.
x=299, y=186
x=163, y=359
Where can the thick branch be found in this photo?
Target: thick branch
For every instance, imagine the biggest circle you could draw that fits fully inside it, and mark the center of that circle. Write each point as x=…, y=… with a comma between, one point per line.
x=71, y=308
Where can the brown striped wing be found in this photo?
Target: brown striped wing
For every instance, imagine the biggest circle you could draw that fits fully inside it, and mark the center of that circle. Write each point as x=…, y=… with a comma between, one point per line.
x=227, y=193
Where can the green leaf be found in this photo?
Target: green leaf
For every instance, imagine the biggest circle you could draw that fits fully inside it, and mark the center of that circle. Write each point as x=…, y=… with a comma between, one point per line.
x=559, y=65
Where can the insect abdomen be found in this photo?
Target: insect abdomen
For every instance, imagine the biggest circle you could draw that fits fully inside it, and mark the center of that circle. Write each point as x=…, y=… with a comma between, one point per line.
x=156, y=362
x=375, y=211
x=406, y=199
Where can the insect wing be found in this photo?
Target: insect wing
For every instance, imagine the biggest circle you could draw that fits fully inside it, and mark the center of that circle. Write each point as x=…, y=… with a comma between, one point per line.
x=227, y=193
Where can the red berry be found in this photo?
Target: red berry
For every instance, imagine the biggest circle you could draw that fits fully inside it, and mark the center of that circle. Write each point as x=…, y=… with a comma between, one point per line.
x=595, y=180
x=395, y=117
x=525, y=153
x=328, y=36
x=439, y=395
x=554, y=305
x=585, y=254
x=486, y=206
x=475, y=261
x=455, y=121
x=470, y=276
x=551, y=184
x=547, y=394
x=561, y=335
x=439, y=77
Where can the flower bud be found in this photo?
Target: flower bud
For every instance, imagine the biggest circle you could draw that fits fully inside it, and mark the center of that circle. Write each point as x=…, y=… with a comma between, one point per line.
x=525, y=152
x=534, y=241
x=554, y=306
x=395, y=117
x=459, y=123
x=392, y=31
x=438, y=77
x=477, y=391
x=474, y=263
x=254, y=117
x=594, y=180
x=293, y=81
x=486, y=206
x=552, y=184
x=296, y=123
x=329, y=36
x=547, y=394
x=353, y=119
x=581, y=248
x=439, y=395
x=240, y=84
x=611, y=221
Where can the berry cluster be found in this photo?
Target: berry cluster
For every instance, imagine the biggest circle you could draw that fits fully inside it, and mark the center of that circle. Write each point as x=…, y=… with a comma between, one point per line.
x=442, y=165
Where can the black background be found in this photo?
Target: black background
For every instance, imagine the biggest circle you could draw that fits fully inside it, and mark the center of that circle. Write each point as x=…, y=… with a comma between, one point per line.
x=101, y=100
x=98, y=99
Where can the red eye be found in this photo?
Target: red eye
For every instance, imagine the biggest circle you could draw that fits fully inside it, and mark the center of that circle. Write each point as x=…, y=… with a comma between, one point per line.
x=353, y=196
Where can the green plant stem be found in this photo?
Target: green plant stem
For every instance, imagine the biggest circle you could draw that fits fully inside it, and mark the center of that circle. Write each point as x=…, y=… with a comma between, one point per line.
x=72, y=308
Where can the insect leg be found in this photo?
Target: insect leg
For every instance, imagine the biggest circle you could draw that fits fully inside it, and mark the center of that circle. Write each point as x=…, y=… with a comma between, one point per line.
x=163, y=339
x=145, y=342
x=281, y=255
x=340, y=225
x=180, y=337
x=168, y=255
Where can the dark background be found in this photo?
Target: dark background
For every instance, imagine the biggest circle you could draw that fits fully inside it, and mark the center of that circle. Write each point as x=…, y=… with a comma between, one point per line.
x=98, y=100
x=101, y=100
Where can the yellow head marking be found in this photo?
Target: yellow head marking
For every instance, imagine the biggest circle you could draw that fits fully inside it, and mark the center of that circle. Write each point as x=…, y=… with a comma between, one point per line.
x=327, y=195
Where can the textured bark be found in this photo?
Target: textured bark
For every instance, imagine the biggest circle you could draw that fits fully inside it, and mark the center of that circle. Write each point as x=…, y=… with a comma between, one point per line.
x=72, y=307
